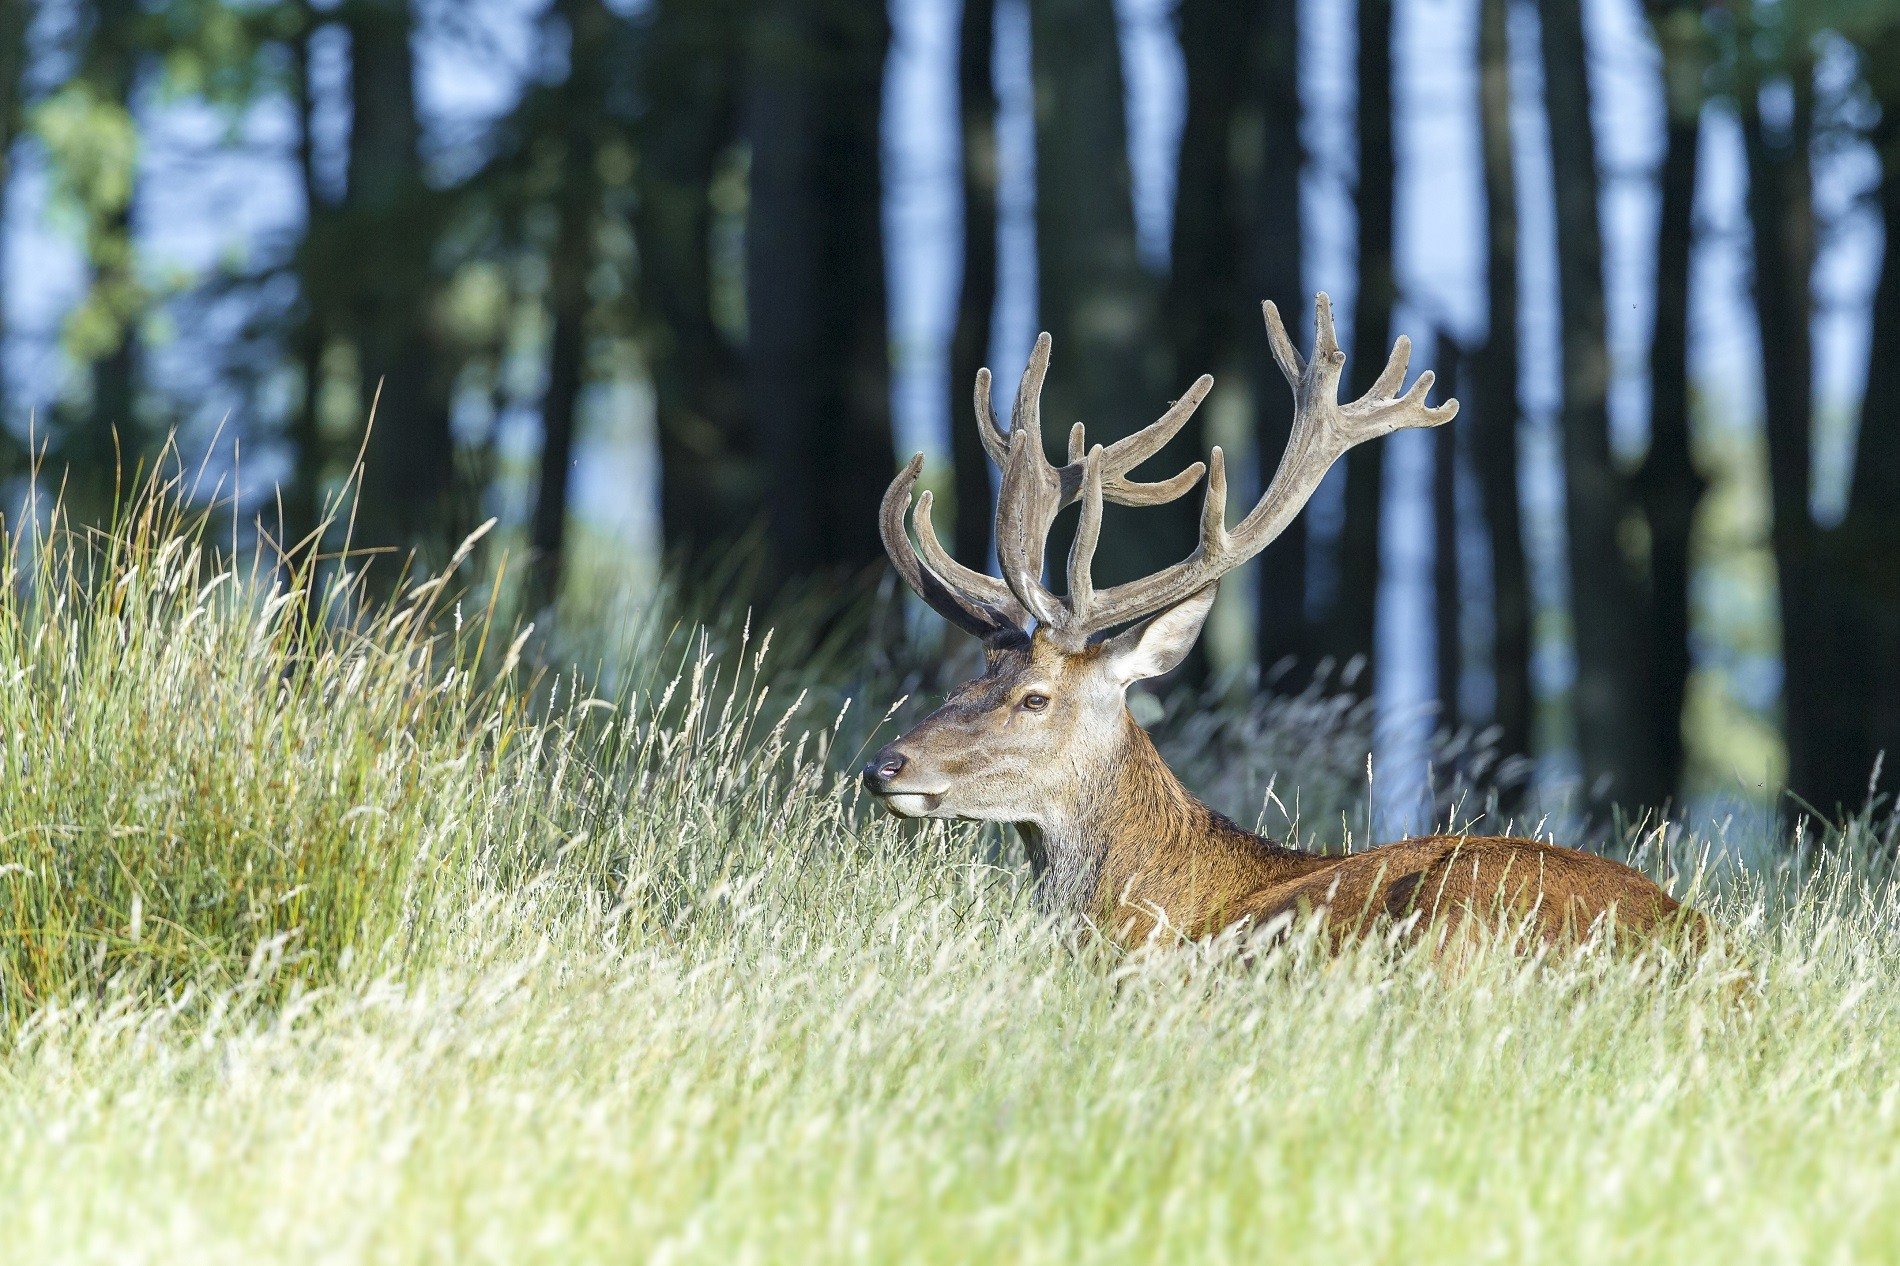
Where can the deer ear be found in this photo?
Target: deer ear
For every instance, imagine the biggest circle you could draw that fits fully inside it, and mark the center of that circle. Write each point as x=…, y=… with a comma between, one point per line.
x=1159, y=644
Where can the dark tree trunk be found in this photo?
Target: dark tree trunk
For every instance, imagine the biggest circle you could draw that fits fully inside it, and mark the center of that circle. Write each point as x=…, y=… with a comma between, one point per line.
x=1852, y=630
x=112, y=437
x=1608, y=606
x=1275, y=259
x=578, y=195
x=1669, y=488
x=1447, y=592
x=13, y=24
x=1781, y=215
x=690, y=77
x=1858, y=703
x=1238, y=198
x=1206, y=295
x=976, y=302
x=1356, y=610
x=390, y=221
x=303, y=491
x=1097, y=300
x=560, y=408
x=819, y=353
x=1494, y=390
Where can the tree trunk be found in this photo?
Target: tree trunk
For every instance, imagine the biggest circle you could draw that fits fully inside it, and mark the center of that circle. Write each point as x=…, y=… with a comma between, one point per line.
x=690, y=76
x=1494, y=391
x=391, y=223
x=1858, y=703
x=1781, y=215
x=560, y=407
x=976, y=302
x=1238, y=198
x=1356, y=609
x=112, y=439
x=1274, y=262
x=317, y=265
x=1668, y=486
x=819, y=343
x=1206, y=296
x=1852, y=630
x=583, y=99
x=1447, y=593
x=1097, y=300
x=14, y=19
x=1608, y=608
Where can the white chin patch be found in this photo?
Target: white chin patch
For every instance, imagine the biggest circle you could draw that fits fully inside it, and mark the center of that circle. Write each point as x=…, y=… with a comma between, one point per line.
x=911, y=804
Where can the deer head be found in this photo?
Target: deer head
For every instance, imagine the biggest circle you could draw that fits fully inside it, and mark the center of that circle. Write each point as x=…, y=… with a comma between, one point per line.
x=1042, y=735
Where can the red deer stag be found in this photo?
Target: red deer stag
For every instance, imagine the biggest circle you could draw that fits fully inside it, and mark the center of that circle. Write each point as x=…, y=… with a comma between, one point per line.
x=1044, y=738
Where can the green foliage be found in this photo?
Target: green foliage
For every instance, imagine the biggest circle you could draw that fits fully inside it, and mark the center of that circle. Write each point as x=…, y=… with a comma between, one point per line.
x=93, y=142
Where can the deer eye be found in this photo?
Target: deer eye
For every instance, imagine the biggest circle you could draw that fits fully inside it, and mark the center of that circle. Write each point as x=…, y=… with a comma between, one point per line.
x=1034, y=702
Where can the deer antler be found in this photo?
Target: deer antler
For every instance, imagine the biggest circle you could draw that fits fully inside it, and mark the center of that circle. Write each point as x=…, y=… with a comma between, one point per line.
x=1118, y=458
x=983, y=605
x=1034, y=492
x=1323, y=429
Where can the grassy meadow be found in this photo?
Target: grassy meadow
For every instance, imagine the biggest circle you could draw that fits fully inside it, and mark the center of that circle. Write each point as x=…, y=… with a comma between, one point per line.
x=340, y=927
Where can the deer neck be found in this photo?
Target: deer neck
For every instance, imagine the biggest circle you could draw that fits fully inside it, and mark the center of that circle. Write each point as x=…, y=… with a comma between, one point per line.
x=1136, y=838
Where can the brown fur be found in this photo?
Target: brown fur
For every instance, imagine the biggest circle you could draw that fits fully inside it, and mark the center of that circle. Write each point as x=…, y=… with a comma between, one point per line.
x=1174, y=864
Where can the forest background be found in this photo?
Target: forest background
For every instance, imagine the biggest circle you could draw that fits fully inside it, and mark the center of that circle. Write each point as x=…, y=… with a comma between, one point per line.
x=667, y=279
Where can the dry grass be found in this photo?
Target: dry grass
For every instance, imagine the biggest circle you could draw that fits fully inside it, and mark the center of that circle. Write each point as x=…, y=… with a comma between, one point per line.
x=348, y=940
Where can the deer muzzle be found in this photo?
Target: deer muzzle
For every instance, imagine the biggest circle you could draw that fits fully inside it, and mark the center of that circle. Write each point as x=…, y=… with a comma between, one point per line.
x=885, y=777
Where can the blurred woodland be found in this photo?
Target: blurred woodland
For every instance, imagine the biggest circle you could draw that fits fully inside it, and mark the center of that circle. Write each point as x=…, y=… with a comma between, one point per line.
x=681, y=209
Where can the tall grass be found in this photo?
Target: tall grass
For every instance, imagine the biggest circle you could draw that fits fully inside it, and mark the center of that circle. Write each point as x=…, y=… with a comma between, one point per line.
x=330, y=931
x=204, y=760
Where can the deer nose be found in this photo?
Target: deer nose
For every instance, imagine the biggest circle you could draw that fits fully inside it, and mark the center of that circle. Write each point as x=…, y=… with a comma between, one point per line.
x=885, y=766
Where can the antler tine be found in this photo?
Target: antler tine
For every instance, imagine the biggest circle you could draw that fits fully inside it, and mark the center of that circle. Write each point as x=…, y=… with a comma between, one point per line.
x=1119, y=458
x=988, y=428
x=1028, y=410
x=1025, y=507
x=1131, y=451
x=1214, y=506
x=1088, y=532
x=1287, y=356
x=987, y=590
x=1126, y=454
x=1126, y=492
x=982, y=610
x=1392, y=377
x=1027, y=415
x=1323, y=430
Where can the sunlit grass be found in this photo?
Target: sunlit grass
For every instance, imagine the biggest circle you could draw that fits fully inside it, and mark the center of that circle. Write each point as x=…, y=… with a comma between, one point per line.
x=343, y=938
